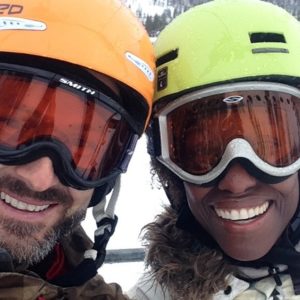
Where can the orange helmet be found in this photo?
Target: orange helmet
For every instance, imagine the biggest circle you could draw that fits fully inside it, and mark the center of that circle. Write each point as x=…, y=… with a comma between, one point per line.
x=102, y=35
x=40, y=43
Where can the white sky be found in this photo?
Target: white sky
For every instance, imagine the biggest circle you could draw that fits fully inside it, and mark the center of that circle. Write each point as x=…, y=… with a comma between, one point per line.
x=137, y=205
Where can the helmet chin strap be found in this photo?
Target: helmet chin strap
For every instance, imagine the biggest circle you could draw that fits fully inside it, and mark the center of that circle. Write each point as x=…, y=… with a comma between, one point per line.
x=106, y=222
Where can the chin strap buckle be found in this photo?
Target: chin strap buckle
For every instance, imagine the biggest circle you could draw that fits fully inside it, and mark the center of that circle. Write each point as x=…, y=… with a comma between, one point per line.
x=274, y=272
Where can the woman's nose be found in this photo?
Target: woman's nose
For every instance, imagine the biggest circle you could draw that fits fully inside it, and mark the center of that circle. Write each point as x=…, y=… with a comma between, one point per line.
x=237, y=180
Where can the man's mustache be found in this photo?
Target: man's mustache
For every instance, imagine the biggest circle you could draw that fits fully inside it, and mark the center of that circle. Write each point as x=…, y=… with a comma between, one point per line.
x=19, y=187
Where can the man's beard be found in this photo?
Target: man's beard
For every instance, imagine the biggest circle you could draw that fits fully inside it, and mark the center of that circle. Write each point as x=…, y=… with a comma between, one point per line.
x=19, y=240
x=24, y=248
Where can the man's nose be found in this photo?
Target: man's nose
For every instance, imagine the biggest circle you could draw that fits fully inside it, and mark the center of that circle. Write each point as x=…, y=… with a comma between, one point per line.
x=38, y=175
x=237, y=180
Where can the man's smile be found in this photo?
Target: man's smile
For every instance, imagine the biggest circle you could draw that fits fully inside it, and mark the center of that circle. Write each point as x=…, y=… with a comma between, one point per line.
x=22, y=205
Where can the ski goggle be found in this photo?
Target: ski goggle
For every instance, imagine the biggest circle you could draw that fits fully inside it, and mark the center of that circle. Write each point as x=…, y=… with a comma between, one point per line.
x=202, y=132
x=87, y=134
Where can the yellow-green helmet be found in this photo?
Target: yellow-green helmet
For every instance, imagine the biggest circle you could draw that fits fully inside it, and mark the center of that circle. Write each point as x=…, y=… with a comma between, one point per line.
x=227, y=40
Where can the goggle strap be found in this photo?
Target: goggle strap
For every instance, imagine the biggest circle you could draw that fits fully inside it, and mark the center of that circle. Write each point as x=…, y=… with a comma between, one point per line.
x=128, y=154
x=153, y=133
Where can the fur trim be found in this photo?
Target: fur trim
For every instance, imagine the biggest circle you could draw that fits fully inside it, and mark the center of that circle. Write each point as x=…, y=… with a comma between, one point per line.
x=178, y=261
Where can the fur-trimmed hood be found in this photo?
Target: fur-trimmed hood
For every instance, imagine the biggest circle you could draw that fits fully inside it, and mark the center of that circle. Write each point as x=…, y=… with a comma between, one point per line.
x=179, y=263
x=187, y=266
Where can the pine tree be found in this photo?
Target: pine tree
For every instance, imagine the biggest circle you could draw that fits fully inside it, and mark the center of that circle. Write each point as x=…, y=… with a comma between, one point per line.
x=155, y=24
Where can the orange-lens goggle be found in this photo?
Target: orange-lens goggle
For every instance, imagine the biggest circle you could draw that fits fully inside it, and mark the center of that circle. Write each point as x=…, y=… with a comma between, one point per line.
x=86, y=133
x=202, y=132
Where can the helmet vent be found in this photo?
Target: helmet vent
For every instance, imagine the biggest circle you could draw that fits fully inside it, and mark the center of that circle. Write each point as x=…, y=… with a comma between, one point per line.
x=270, y=50
x=267, y=37
x=171, y=55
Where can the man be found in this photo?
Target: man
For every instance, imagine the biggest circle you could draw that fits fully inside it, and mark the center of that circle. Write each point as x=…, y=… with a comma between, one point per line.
x=76, y=83
x=224, y=141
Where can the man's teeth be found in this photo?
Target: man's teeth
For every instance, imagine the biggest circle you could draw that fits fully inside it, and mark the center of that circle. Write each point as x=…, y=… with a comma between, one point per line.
x=21, y=205
x=242, y=214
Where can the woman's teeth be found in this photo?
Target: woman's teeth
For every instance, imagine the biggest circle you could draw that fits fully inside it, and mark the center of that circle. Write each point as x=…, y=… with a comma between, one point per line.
x=21, y=205
x=242, y=214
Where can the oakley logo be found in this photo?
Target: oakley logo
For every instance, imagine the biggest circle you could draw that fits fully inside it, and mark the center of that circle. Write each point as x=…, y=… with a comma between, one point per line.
x=8, y=23
x=139, y=63
x=233, y=99
x=77, y=86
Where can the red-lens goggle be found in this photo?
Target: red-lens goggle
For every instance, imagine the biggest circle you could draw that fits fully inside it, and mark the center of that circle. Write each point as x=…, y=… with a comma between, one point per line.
x=87, y=134
x=203, y=131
